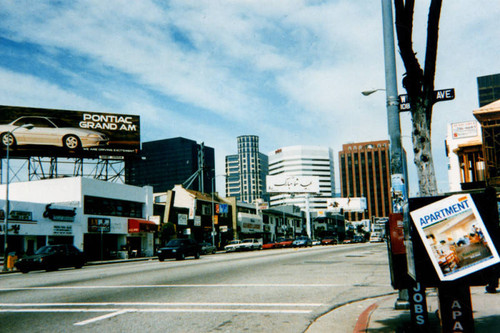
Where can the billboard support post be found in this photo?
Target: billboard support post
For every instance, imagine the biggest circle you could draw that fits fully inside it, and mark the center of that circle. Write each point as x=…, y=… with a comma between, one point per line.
x=308, y=217
x=9, y=138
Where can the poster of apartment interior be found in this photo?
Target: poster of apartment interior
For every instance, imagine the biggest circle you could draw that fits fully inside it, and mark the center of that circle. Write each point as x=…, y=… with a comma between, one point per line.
x=455, y=237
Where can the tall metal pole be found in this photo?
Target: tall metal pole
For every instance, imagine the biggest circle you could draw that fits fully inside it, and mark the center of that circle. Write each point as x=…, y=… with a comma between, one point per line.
x=398, y=174
x=391, y=88
x=213, y=212
x=6, y=212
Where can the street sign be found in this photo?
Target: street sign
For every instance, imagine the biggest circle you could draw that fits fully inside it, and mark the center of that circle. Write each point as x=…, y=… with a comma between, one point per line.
x=441, y=95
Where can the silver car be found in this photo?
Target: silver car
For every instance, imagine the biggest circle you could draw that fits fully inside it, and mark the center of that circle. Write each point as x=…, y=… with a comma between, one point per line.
x=233, y=246
x=49, y=131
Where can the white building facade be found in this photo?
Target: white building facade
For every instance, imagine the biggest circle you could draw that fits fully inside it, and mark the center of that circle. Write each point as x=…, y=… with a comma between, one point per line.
x=98, y=217
x=313, y=161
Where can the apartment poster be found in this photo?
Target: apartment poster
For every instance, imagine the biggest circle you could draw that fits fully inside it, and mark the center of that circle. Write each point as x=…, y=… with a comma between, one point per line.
x=455, y=237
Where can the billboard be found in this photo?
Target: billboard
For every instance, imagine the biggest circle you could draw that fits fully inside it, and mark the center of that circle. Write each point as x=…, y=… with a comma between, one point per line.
x=292, y=184
x=455, y=237
x=63, y=133
x=346, y=204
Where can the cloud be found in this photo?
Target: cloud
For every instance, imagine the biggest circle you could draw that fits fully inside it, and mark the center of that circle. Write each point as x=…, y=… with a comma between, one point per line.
x=26, y=90
x=288, y=71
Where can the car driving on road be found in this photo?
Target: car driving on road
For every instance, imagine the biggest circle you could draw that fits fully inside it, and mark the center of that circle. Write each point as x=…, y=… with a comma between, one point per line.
x=180, y=248
x=51, y=258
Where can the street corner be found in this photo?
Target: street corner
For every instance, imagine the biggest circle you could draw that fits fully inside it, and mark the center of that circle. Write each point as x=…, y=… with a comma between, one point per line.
x=380, y=315
x=360, y=316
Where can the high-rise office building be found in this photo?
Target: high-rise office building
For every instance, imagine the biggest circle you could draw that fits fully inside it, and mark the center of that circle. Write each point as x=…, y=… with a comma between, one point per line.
x=246, y=171
x=364, y=172
x=169, y=162
x=488, y=89
x=304, y=161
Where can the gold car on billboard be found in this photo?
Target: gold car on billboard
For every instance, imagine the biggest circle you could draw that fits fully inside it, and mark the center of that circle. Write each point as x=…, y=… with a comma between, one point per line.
x=65, y=133
x=49, y=131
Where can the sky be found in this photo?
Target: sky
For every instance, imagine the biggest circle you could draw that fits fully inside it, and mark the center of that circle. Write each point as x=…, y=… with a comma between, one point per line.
x=290, y=72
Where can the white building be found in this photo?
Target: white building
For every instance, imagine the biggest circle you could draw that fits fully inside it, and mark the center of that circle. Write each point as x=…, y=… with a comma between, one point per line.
x=464, y=167
x=98, y=217
x=304, y=161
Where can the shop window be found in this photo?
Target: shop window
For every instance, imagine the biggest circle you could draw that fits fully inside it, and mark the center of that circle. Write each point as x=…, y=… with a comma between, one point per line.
x=112, y=207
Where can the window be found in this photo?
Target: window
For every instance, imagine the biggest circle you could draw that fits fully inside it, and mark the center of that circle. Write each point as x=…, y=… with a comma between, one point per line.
x=112, y=207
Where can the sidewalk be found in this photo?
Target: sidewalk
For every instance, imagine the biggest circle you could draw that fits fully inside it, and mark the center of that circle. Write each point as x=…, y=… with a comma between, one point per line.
x=92, y=263
x=379, y=315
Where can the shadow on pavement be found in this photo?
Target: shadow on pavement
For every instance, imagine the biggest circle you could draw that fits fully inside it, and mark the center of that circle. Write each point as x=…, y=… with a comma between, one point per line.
x=401, y=324
x=490, y=324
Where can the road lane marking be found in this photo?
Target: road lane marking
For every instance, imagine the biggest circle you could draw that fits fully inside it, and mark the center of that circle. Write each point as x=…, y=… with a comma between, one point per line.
x=106, y=316
x=113, y=312
x=187, y=309
x=57, y=310
x=247, y=285
x=83, y=304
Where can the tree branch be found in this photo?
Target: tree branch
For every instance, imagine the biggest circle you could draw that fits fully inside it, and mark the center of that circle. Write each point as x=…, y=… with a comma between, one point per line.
x=431, y=54
x=404, y=27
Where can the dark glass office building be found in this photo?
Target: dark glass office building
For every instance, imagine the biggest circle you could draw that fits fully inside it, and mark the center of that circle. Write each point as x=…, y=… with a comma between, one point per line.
x=488, y=89
x=169, y=162
x=364, y=172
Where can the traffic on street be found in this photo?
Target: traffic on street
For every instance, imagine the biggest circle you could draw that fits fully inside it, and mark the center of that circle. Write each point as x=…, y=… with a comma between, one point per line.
x=278, y=290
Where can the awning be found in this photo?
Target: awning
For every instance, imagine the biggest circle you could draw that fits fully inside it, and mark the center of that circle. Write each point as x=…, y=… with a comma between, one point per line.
x=488, y=111
x=135, y=226
x=475, y=145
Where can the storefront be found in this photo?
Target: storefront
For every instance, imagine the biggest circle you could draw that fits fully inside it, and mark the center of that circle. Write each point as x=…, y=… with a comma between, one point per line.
x=141, y=237
x=91, y=214
x=33, y=225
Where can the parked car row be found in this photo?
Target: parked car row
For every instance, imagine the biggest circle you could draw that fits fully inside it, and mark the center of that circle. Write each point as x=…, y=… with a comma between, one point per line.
x=301, y=241
x=247, y=244
x=53, y=257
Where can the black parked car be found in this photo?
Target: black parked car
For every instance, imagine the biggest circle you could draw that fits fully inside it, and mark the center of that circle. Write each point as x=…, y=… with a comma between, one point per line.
x=51, y=258
x=179, y=249
x=207, y=248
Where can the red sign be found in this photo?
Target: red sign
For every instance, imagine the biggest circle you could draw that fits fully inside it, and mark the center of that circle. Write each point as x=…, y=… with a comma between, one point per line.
x=397, y=233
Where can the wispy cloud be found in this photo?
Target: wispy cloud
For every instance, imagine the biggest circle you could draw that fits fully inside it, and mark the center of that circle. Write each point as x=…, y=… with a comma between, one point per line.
x=210, y=70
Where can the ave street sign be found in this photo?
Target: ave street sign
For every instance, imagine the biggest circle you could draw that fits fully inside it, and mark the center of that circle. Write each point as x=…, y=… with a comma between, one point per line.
x=441, y=95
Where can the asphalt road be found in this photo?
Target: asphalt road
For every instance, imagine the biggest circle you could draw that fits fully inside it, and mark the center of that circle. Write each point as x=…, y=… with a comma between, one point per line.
x=283, y=290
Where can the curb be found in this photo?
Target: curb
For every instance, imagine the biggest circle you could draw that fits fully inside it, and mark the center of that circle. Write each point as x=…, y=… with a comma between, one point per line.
x=94, y=263
x=363, y=321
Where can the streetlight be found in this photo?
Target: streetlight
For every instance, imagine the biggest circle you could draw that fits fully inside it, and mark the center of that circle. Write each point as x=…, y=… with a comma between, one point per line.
x=369, y=92
x=8, y=139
